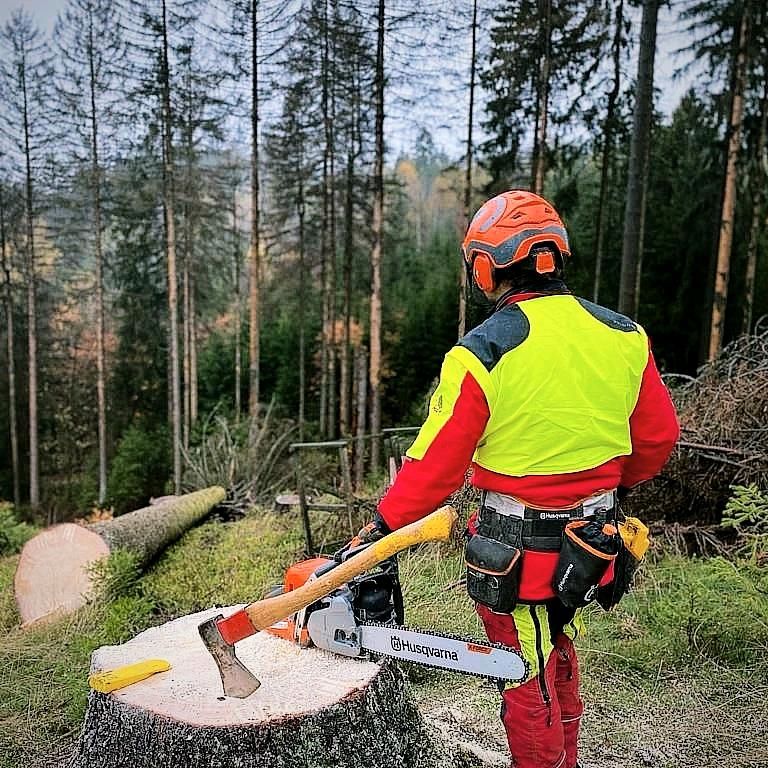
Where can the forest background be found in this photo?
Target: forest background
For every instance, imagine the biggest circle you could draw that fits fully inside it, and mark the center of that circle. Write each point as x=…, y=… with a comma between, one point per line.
x=200, y=210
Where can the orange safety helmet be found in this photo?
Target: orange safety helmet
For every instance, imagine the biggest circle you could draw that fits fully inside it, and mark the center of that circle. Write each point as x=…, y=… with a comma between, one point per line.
x=507, y=229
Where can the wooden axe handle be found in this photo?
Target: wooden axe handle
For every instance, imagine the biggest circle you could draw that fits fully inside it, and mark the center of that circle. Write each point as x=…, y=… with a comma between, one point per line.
x=435, y=527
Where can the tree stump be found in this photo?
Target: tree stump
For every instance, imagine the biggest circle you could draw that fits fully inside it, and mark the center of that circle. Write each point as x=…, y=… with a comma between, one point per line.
x=313, y=710
x=54, y=577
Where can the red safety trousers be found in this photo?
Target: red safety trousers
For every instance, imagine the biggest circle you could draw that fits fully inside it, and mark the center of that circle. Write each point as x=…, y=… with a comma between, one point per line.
x=542, y=715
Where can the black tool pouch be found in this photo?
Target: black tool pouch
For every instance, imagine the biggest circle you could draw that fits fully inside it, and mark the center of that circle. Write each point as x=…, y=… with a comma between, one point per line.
x=493, y=573
x=587, y=550
x=623, y=573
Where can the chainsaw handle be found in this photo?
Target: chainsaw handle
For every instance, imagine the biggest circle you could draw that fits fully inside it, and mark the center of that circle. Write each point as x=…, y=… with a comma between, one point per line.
x=435, y=527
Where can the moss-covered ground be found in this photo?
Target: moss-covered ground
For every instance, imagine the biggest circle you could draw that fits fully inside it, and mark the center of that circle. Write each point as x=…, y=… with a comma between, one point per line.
x=675, y=676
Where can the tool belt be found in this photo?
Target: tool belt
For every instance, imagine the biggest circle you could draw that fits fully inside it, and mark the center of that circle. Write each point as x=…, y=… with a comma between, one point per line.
x=507, y=528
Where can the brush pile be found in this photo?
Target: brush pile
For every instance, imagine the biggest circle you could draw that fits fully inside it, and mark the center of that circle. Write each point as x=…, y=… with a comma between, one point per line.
x=724, y=440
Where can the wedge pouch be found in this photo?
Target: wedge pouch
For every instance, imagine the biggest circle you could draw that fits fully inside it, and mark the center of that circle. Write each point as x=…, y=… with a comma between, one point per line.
x=493, y=573
x=587, y=550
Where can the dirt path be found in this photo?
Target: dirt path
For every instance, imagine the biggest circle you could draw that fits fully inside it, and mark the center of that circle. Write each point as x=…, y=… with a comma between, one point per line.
x=715, y=719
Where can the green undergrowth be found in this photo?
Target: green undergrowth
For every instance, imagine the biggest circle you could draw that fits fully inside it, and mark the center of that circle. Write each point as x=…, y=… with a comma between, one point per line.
x=685, y=616
x=43, y=670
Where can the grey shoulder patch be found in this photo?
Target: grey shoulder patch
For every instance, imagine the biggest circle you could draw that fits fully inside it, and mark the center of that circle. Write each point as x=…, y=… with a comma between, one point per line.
x=500, y=333
x=609, y=317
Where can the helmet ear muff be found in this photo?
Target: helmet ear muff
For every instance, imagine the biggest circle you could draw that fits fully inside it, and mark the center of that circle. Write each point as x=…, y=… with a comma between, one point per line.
x=483, y=272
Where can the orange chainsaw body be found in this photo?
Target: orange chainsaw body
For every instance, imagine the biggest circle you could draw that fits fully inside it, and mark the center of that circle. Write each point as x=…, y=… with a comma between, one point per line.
x=296, y=576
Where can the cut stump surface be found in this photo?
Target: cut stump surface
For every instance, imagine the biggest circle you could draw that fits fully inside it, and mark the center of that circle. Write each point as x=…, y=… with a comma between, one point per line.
x=313, y=709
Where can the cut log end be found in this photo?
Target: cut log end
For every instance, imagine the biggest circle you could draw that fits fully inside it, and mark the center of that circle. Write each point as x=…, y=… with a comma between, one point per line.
x=313, y=709
x=52, y=576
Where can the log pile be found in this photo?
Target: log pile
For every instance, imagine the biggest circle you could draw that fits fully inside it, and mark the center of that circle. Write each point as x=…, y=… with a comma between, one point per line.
x=54, y=574
x=724, y=440
x=313, y=710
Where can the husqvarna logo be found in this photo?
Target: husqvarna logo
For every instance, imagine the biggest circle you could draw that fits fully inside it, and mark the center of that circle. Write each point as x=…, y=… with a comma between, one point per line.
x=404, y=646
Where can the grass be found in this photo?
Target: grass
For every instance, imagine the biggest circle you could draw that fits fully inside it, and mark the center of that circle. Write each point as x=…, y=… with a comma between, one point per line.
x=690, y=625
x=43, y=670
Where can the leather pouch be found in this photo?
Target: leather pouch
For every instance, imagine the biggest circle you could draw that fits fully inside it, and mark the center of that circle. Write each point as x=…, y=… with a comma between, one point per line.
x=493, y=573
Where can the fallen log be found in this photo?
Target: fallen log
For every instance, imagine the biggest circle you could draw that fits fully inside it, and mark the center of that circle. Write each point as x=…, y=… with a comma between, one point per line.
x=313, y=710
x=54, y=574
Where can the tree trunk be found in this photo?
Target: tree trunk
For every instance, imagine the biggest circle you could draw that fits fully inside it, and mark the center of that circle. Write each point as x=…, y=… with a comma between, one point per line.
x=361, y=367
x=170, y=235
x=99, y=256
x=542, y=97
x=758, y=197
x=14, y=435
x=254, y=299
x=376, y=252
x=313, y=710
x=193, y=399
x=54, y=575
x=725, y=239
x=634, y=212
x=326, y=413
x=186, y=337
x=34, y=472
x=332, y=341
x=610, y=118
x=302, y=291
x=344, y=394
x=236, y=267
x=463, y=287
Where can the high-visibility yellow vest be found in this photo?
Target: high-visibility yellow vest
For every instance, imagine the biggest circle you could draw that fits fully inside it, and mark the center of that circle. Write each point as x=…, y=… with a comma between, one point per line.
x=561, y=377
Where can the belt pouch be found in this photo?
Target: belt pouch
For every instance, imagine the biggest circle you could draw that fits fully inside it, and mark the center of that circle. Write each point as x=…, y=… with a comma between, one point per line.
x=587, y=550
x=634, y=544
x=493, y=573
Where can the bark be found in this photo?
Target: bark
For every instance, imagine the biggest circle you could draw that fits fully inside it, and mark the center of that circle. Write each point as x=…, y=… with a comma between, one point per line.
x=13, y=429
x=758, y=197
x=344, y=392
x=313, y=710
x=238, y=350
x=542, y=97
x=326, y=413
x=362, y=409
x=170, y=236
x=193, y=398
x=34, y=472
x=725, y=240
x=54, y=577
x=254, y=299
x=376, y=252
x=634, y=212
x=332, y=378
x=99, y=257
x=605, y=166
x=302, y=290
x=468, y=174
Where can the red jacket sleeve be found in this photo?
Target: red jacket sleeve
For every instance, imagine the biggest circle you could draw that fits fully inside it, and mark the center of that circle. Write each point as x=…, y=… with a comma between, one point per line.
x=653, y=427
x=423, y=484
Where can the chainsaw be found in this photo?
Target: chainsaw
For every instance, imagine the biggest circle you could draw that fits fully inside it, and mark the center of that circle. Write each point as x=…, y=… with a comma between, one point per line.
x=364, y=619
x=353, y=606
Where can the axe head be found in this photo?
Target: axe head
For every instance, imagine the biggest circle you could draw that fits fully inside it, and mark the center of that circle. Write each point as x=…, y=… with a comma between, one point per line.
x=238, y=681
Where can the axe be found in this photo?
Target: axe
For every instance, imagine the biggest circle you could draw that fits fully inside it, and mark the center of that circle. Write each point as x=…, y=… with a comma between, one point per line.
x=220, y=634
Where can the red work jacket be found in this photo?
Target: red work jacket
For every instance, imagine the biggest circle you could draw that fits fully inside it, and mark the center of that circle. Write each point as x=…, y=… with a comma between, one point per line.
x=423, y=484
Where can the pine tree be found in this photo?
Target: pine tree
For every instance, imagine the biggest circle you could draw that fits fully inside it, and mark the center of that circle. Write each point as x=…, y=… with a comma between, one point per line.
x=26, y=80
x=634, y=212
x=538, y=47
x=89, y=53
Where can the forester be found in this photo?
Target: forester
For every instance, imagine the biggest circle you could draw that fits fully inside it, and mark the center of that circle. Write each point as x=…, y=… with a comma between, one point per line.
x=557, y=406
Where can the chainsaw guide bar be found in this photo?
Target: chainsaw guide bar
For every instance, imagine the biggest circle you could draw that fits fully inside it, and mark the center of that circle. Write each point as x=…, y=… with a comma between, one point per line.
x=453, y=653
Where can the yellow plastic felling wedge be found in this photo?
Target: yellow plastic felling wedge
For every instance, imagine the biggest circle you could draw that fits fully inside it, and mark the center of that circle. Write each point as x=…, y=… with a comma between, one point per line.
x=113, y=679
x=635, y=535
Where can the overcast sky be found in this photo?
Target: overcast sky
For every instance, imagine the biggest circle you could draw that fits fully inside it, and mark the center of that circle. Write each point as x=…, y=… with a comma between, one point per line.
x=447, y=133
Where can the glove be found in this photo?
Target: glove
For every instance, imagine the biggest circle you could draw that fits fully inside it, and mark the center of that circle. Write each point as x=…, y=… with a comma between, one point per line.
x=373, y=531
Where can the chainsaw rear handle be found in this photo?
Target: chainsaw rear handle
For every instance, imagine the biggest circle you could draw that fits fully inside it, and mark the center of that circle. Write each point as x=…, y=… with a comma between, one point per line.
x=264, y=613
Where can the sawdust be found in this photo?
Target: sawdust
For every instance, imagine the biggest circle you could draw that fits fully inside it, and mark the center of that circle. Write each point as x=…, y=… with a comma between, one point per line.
x=293, y=680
